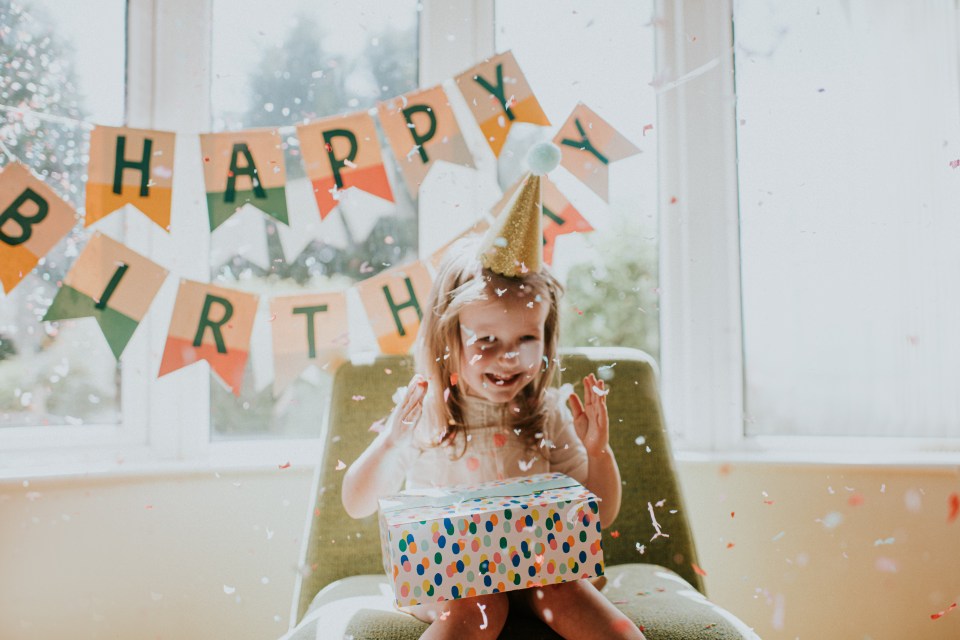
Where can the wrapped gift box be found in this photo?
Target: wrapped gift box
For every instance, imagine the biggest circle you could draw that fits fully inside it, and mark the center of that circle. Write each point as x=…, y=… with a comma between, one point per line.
x=471, y=540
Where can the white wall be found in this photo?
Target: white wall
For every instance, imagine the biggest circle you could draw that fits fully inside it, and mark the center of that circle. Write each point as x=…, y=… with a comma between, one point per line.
x=150, y=557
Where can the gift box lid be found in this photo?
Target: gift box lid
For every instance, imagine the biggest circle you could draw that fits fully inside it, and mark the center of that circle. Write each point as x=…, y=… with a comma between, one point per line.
x=430, y=503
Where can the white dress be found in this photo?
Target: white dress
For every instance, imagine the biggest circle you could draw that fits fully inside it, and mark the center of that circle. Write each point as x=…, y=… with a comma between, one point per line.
x=494, y=451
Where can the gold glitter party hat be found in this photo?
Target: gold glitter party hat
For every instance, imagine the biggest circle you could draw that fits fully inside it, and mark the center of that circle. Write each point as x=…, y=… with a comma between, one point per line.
x=514, y=244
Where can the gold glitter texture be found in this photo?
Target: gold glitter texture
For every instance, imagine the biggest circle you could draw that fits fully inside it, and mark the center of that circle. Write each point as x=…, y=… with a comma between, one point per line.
x=514, y=245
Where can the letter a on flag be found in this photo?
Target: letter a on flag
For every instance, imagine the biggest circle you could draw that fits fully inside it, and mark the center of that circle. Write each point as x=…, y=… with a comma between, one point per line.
x=132, y=166
x=214, y=324
x=588, y=145
x=111, y=283
x=32, y=220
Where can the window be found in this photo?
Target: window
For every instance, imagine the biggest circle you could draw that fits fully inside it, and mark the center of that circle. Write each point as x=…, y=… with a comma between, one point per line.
x=279, y=66
x=611, y=274
x=848, y=143
x=57, y=80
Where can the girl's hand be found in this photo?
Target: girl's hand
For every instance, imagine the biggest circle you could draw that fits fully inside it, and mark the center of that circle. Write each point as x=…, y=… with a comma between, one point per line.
x=590, y=417
x=403, y=420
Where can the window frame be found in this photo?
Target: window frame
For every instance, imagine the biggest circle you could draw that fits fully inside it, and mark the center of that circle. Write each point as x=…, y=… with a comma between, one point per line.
x=703, y=368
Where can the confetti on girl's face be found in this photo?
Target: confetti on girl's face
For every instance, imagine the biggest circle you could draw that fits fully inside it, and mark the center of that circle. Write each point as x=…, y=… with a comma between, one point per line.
x=934, y=616
x=954, y=502
x=340, y=465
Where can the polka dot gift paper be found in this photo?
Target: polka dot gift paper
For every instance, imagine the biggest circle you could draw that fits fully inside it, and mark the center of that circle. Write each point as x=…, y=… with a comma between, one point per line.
x=471, y=540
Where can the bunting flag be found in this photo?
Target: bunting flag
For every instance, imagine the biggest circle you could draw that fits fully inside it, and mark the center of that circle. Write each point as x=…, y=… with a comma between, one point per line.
x=498, y=96
x=559, y=216
x=307, y=330
x=588, y=145
x=130, y=166
x=112, y=283
x=241, y=167
x=394, y=302
x=342, y=152
x=422, y=129
x=214, y=324
x=32, y=220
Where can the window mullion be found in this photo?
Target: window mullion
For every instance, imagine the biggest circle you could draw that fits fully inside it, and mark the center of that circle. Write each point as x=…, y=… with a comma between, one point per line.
x=702, y=359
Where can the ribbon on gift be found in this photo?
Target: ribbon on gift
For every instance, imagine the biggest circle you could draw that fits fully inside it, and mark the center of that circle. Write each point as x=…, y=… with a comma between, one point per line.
x=442, y=497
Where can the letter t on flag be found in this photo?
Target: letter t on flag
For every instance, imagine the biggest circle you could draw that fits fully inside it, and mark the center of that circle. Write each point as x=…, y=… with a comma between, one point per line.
x=214, y=324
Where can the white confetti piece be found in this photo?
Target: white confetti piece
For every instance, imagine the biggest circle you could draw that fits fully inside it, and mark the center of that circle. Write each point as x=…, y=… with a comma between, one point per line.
x=229, y=590
x=483, y=612
x=600, y=392
x=340, y=465
x=656, y=525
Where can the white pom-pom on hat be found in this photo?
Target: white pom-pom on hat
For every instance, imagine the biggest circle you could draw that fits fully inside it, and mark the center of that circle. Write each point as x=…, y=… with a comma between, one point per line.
x=543, y=158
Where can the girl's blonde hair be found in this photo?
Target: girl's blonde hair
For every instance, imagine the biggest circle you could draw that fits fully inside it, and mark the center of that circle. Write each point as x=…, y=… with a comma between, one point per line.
x=460, y=281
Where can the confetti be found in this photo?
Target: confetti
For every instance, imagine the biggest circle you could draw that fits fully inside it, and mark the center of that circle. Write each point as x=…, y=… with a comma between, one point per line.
x=935, y=616
x=656, y=525
x=444, y=615
x=483, y=612
x=285, y=465
x=499, y=440
x=730, y=545
x=446, y=394
x=641, y=548
x=454, y=378
x=698, y=570
x=547, y=616
x=600, y=392
x=879, y=541
x=340, y=465
x=358, y=398
x=954, y=502
x=955, y=164
x=473, y=463
x=524, y=465
x=855, y=500
x=229, y=590
x=614, y=534
x=647, y=127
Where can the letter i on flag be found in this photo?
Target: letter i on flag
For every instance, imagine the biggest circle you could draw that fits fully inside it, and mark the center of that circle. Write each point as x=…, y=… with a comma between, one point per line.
x=588, y=145
x=498, y=95
x=213, y=324
x=307, y=330
x=241, y=167
x=393, y=301
x=32, y=220
x=130, y=166
x=342, y=152
x=111, y=283
x=422, y=129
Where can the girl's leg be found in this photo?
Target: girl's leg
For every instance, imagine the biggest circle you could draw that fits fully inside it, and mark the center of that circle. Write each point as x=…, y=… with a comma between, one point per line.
x=577, y=611
x=480, y=617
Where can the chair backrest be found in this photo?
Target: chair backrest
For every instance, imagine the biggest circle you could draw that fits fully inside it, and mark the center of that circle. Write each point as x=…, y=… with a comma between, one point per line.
x=338, y=546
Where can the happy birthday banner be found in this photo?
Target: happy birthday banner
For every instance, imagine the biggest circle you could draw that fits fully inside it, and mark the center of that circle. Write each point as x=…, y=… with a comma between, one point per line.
x=117, y=286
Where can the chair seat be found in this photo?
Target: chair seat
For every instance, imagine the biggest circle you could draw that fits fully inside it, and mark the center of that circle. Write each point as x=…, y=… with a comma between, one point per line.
x=658, y=600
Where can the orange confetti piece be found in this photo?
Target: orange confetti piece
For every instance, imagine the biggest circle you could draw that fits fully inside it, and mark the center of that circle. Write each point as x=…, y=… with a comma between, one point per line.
x=954, y=502
x=768, y=502
x=855, y=500
x=732, y=513
x=729, y=545
x=614, y=534
x=285, y=465
x=340, y=465
x=454, y=378
x=934, y=616
x=473, y=463
x=499, y=440
x=697, y=570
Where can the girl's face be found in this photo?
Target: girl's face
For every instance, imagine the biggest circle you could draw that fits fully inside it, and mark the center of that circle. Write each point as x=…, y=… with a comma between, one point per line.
x=503, y=345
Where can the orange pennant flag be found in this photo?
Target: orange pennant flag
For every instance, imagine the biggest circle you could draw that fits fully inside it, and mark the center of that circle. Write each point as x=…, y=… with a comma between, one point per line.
x=214, y=324
x=588, y=145
x=394, y=302
x=343, y=152
x=498, y=95
x=32, y=220
x=130, y=166
x=422, y=129
x=559, y=218
x=307, y=330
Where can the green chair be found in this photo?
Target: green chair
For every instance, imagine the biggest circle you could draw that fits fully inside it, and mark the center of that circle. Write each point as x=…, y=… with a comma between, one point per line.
x=650, y=578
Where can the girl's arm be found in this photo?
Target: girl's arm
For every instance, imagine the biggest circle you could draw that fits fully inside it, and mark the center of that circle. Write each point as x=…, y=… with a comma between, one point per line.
x=379, y=470
x=593, y=428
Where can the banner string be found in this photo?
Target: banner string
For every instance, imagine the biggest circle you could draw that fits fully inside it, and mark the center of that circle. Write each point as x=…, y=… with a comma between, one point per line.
x=46, y=116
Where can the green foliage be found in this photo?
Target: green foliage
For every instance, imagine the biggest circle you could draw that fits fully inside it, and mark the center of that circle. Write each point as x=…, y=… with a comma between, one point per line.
x=614, y=301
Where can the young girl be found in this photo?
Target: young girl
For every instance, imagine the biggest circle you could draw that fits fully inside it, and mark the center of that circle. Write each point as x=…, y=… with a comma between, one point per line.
x=481, y=408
